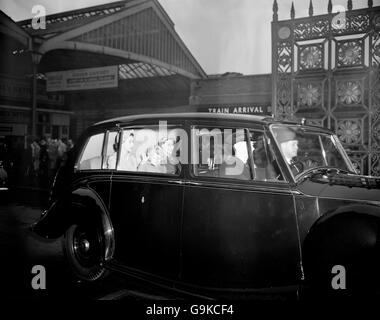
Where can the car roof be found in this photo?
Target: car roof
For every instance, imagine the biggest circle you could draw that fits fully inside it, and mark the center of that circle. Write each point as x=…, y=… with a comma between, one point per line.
x=188, y=115
x=200, y=116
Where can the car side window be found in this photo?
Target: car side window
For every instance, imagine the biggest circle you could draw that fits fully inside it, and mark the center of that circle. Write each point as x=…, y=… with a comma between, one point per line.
x=221, y=153
x=149, y=150
x=91, y=158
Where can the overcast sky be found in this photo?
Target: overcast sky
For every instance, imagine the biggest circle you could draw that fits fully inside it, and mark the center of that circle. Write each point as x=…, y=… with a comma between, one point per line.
x=223, y=35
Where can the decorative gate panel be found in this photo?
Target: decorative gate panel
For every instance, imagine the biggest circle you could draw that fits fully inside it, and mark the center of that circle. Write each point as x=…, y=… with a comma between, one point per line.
x=326, y=69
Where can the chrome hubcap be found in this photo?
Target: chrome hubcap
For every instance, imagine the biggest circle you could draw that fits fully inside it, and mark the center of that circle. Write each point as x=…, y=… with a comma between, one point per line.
x=84, y=245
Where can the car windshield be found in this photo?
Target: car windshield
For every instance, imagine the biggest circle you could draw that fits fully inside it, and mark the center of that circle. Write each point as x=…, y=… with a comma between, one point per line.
x=304, y=149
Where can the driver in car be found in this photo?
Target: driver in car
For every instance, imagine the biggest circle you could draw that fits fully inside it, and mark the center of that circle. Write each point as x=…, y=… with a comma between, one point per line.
x=289, y=147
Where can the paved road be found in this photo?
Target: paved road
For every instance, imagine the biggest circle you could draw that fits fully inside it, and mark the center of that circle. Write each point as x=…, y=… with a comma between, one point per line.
x=21, y=250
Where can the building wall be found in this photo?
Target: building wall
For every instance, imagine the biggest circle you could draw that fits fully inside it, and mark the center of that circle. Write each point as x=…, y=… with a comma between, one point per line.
x=233, y=93
x=131, y=97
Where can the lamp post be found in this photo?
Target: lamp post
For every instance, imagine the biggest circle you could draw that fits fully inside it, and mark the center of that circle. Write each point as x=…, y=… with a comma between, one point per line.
x=36, y=57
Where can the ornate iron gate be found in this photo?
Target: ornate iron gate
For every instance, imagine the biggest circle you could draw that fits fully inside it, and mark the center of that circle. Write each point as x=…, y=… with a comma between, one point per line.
x=326, y=69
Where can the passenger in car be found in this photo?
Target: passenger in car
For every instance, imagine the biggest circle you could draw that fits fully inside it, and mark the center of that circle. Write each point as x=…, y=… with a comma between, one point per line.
x=153, y=161
x=167, y=146
x=127, y=160
x=236, y=166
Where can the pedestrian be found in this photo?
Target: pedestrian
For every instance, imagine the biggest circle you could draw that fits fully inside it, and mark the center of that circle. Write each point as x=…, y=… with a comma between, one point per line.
x=35, y=166
x=61, y=150
x=3, y=171
x=70, y=145
x=44, y=164
x=53, y=154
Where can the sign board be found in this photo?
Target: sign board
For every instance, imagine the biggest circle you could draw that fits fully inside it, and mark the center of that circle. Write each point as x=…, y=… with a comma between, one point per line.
x=238, y=109
x=82, y=79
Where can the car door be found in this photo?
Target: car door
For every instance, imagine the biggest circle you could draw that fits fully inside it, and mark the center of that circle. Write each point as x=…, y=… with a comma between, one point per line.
x=146, y=209
x=238, y=232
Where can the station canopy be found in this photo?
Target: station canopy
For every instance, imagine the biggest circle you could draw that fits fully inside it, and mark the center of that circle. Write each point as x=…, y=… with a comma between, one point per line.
x=12, y=35
x=136, y=35
x=13, y=39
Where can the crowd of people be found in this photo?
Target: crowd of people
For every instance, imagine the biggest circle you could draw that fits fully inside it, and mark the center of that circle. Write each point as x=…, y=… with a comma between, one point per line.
x=48, y=155
x=37, y=164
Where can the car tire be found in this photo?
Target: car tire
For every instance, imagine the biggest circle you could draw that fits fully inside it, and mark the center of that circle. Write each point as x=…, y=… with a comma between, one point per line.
x=82, y=247
x=348, y=242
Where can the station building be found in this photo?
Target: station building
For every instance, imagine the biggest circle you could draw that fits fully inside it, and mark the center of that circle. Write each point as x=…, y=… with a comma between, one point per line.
x=105, y=61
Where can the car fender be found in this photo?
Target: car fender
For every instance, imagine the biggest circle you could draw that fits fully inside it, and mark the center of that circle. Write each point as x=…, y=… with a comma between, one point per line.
x=346, y=236
x=81, y=205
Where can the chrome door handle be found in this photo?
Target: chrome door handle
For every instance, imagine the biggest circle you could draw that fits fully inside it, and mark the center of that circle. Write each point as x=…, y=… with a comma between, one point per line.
x=177, y=181
x=193, y=183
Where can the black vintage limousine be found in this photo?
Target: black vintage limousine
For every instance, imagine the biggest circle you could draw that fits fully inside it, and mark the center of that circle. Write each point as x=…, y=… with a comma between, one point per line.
x=216, y=204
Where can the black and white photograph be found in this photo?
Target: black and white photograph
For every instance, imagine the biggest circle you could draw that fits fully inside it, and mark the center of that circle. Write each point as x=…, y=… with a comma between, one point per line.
x=191, y=157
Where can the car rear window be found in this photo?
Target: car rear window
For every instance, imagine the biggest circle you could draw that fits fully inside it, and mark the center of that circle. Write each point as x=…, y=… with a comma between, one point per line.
x=147, y=150
x=91, y=158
